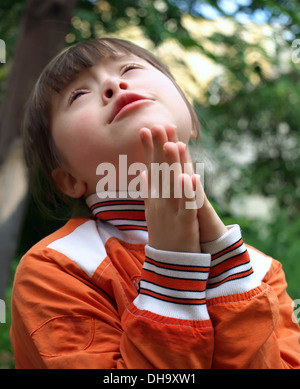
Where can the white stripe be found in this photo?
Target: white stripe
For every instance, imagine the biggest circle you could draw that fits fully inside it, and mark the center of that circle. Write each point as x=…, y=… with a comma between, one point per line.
x=235, y=270
x=233, y=234
x=185, y=294
x=240, y=285
x=228, y=255
x=178, y=258
x=107, y=230
x=260, y=262
x=120, y=222
x=119, y=207
x=166, y=309
x=83, y=246
x=201, y=276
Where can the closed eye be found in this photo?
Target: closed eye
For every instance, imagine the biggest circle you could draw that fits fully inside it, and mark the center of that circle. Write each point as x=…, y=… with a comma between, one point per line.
x=130, y=66
x=76, y=94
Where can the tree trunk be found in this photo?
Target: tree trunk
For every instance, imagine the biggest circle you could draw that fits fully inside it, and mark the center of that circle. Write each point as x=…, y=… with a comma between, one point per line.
x=43, y=29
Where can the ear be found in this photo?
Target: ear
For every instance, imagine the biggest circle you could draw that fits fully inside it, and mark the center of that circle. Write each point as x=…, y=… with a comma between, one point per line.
x=68, y=184
x=196, y=126
x=195, y=130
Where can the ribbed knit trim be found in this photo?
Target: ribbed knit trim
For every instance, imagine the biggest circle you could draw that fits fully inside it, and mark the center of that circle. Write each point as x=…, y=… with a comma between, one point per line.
x=174, y=284
x=231, y=271
x=124, y=214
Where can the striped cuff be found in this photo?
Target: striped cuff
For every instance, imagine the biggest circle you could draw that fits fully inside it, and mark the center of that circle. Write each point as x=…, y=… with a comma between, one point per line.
x=173, y=284
x=231, y=270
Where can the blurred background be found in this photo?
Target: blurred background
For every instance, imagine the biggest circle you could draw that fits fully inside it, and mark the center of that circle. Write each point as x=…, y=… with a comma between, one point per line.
x=239, y=64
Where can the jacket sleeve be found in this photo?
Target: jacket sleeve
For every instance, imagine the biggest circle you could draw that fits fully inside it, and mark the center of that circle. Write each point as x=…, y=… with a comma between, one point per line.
x=61, y=320
x=167, y=325
x=252, y=318
x=287, y=332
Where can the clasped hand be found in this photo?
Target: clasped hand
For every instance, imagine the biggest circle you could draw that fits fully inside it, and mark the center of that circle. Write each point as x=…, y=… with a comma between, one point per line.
x=175, y=222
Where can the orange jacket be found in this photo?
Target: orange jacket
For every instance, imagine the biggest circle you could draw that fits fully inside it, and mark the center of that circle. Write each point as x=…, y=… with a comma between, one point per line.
x=86, y=297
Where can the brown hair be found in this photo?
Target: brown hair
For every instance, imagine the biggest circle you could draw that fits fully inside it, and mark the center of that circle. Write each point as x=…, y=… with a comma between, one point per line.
x=41, y=155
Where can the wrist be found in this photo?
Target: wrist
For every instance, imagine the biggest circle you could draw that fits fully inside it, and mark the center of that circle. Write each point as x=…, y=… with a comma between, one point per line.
x=211, y=226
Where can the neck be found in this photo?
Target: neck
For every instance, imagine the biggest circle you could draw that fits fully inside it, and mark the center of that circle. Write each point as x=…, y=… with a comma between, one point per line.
x=123, y=213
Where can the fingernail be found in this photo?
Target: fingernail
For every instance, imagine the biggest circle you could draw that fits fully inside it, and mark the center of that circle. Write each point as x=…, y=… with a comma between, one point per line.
x=182, y=144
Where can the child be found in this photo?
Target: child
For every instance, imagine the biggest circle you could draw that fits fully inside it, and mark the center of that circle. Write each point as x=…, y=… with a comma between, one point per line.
x=140, y=283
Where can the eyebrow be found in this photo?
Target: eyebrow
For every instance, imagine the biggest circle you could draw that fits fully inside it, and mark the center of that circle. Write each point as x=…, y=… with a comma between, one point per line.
x=121, y=56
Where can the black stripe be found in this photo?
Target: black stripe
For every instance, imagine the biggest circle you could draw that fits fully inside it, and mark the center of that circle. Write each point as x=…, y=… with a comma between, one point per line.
x=119, y=203
x=227, y=259
x=172, y=264
x=228, y=248
x=233, y=267
x=119, y=210
x=124, y=220
x=137, y=228
x=173, y=302
x=179, y=290
x=167, y=296
x=175, y=278
x=211, y=285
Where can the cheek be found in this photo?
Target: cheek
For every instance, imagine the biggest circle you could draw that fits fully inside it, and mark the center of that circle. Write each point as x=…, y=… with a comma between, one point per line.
x=174, y=102
x=75, y=139
x=182, y=116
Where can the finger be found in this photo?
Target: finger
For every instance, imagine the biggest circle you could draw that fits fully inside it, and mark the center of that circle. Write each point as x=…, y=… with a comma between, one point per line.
x=172, y=152
x=145, y=187
x=146, y=139
x=159, y=138
x=170, y=183
x=188, y=200
x=186, y=164
x=199, y=190
x=171, y=133
x=182, y=154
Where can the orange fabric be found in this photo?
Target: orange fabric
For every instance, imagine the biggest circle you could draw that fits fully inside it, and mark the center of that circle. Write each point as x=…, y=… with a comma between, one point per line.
x=64, y=318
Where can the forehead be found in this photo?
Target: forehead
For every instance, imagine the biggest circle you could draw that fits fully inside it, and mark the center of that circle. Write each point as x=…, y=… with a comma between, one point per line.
x=118, y=58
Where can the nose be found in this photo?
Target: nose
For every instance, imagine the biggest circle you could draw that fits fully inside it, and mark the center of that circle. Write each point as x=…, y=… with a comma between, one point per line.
x=111, y=87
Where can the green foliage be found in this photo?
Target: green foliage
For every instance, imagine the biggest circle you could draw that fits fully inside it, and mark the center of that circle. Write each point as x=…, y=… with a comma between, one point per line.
x=10, y=15
x=278, y=239
x=154, y=17
x=268, y=117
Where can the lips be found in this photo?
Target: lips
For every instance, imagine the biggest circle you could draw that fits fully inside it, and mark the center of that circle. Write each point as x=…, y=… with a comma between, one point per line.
x=126, y=100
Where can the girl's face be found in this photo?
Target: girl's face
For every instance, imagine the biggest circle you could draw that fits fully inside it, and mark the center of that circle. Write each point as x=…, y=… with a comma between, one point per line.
x=99, y=115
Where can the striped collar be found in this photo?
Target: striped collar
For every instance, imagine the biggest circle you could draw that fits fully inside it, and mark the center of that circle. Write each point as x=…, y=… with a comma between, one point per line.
x=124, y=213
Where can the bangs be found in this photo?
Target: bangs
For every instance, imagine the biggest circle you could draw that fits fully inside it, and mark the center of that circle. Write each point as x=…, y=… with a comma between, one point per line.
x=64, y=68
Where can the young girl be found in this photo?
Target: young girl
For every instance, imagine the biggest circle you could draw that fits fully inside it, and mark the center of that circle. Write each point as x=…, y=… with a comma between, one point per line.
x=137, y=283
